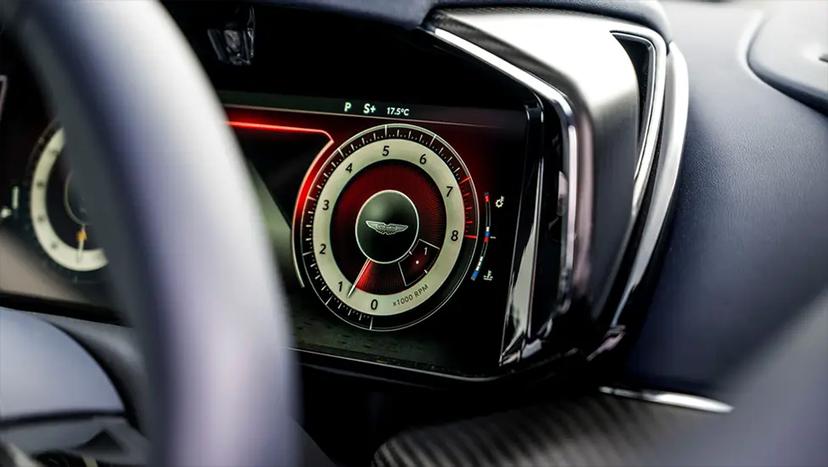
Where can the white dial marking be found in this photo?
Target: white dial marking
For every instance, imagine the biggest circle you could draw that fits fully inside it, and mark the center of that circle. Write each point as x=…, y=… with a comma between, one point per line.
x=61, y=252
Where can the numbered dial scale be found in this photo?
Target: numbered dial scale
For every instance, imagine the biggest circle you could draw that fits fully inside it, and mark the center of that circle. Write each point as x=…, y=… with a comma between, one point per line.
x=387, y=226
x=58, y=215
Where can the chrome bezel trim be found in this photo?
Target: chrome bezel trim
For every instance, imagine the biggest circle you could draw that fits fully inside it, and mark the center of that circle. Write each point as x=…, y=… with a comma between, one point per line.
x=673, y=399
x=647, y=137
x=654, y=105
x=569, y=167
x=677, y=95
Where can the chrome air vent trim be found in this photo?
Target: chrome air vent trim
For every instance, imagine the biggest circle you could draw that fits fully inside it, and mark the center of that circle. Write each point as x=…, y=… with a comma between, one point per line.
x=676, y=101
x=524, y=272
x=565, y=59
x=653, y=104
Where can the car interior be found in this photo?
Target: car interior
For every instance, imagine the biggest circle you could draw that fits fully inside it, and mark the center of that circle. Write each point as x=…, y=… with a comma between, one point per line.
x=579, y=232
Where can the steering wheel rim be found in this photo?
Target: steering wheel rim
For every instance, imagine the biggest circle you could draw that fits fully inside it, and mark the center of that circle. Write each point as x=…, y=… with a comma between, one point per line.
x=175, y=211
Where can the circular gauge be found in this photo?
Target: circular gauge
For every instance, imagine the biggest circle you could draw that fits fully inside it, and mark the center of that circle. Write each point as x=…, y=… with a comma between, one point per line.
x=387, y=226
x=58, y=215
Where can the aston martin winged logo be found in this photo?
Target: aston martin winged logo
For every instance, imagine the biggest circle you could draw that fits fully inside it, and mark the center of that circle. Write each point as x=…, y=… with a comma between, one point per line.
x=386, y=229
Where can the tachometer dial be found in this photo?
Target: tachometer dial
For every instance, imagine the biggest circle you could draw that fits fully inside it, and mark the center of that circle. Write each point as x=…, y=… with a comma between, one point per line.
x=387, y=226
x=58, y=215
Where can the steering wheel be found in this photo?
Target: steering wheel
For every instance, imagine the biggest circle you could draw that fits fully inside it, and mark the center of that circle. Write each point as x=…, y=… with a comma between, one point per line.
x=189, y=259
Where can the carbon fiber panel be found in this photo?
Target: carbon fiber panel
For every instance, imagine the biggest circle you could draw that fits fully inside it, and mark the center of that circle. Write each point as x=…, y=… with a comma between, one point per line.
x=591, y=430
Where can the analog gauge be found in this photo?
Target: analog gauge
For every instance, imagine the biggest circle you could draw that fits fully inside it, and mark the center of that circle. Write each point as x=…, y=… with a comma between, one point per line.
x=387, y=226
x=58, y=215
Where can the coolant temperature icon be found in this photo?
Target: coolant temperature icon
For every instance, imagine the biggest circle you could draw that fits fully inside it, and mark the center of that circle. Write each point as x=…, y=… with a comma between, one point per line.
x=487, y=236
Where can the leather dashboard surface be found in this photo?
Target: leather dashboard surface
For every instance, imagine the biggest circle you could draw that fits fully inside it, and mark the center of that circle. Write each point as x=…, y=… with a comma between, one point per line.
x=411, y=13
x=747, y=247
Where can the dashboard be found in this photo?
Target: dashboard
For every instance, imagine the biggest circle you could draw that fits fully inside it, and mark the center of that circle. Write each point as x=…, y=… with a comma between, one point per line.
x=543, y=209
x=395, y=222
x=434, y=213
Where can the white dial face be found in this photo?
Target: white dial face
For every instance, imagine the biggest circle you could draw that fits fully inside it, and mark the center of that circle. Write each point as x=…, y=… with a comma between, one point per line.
x=53, y=200
x=388, y=226
x=434, y=277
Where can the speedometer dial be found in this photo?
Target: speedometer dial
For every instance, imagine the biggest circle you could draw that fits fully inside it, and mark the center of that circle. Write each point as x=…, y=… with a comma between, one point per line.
x=58, y=215
x=387, y=226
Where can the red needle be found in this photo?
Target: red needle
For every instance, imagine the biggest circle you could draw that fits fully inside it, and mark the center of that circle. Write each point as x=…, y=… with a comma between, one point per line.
x=359, y=276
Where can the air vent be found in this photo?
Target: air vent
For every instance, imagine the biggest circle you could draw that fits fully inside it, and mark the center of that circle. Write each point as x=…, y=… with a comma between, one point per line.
x=648, y=61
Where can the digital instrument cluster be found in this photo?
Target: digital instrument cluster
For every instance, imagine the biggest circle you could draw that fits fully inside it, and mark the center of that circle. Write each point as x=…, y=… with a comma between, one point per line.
x=381, y=216
x=396, y=202
x=397, y=213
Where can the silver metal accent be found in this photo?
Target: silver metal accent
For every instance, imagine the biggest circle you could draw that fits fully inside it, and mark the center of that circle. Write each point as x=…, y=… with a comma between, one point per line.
x=674, y=399
x=521, y=299
x=528, y=46
x=653, y=102
x=386, y=229
x=677, y=95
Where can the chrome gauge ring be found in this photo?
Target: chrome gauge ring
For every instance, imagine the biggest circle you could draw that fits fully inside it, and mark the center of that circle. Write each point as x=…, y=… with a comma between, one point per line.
x=58, y=215
x=388, y=226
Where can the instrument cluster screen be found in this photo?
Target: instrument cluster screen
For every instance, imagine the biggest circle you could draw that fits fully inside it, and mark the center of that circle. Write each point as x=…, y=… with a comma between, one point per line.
x=393, y=224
